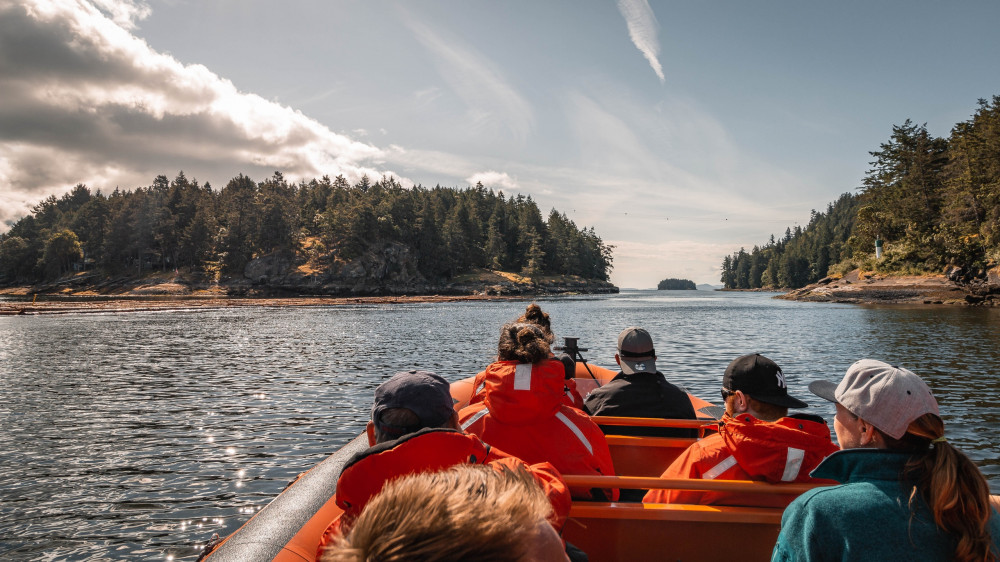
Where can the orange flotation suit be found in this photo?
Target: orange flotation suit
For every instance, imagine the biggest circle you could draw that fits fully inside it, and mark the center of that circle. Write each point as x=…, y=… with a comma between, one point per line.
x=747, y=448
x=429, y=450
x=523, y=413
x=571, y=396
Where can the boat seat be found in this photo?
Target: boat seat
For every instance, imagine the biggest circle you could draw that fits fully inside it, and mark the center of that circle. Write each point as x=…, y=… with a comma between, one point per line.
x=645, y=456
x=648, y=456
x=637, y=531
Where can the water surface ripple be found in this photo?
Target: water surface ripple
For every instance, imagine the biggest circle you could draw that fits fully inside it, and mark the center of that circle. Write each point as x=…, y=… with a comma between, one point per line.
x=136, y=436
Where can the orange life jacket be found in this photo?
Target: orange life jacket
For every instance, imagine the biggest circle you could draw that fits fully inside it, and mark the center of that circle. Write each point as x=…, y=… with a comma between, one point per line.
x=429, y=450
x=747, y=448
x=571, y=396
x=523, y=413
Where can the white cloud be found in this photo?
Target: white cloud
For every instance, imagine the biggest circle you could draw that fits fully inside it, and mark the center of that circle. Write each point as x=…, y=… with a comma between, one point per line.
x=493, y=105
x=125, y=13
x=493, y=180
x=643, y=29
x=86, y=101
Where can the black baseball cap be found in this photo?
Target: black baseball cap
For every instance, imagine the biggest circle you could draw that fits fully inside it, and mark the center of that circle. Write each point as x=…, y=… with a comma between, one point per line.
x=761, y=379
x=425, y=394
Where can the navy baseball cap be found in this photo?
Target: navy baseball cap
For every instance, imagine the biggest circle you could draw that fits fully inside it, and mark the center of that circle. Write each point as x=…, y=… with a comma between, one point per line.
x=425, y=394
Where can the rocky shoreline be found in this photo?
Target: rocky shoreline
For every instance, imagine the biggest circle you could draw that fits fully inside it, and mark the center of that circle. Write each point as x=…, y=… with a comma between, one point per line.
x=948, y=288
x=89, y=292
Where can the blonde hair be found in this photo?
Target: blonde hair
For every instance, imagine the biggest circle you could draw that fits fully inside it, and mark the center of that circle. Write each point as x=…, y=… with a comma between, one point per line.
x=468, y=512
x=951, y=484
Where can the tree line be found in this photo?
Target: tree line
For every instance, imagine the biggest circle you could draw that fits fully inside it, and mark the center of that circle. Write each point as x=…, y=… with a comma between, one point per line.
x=933, y=202
x=183, y=224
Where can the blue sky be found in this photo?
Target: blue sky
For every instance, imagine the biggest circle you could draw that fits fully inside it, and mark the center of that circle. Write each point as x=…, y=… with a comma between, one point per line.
x=681, y=131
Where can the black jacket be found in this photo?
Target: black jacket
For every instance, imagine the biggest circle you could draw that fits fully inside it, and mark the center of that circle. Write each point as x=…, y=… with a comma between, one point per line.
x=641, y=395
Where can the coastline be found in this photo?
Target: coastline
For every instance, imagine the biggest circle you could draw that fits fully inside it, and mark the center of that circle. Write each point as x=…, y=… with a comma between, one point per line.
x=111, y=304
x=84, y=293
x=859, y=287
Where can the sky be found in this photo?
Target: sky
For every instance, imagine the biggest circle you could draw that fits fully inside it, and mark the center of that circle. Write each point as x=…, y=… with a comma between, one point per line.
x=680, y=131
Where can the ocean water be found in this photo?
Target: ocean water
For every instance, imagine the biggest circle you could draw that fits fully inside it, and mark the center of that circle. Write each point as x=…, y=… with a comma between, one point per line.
x=136, y=436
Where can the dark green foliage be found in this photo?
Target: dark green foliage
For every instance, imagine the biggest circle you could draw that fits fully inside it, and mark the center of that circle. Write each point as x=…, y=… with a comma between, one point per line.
x=676, y=285
x=933, y=201
x=180, y=224
x=801, y=257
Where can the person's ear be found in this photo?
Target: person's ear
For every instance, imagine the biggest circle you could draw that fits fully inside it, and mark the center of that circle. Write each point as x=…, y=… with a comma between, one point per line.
x=740, y=402
x=370, y=430
x=867, y=436
x=618, y=360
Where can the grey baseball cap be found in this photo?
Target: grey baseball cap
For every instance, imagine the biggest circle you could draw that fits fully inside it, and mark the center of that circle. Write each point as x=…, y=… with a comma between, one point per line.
x=635, y=351
x=886, y=396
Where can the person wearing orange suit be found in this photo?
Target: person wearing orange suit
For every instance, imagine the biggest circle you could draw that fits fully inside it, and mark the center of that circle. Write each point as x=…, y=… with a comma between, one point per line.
x=533, y=314
x=414, y=428
x=757, y=440
x=522, y=411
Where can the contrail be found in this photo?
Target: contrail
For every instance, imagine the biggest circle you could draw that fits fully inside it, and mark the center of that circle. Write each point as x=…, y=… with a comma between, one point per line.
x=642, y=29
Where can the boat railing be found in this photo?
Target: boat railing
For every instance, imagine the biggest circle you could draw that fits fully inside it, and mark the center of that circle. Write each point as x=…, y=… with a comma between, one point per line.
x=649, y=456
x=655, y=422
x=675, y=531
x=645, y=482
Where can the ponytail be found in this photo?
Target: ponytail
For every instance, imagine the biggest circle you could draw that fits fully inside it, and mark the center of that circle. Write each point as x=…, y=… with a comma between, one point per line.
x=952, y=486
x=533, y=315
x=525, y=343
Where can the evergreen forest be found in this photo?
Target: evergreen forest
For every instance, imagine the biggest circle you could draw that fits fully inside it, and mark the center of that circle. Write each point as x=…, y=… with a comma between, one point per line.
x=181, y=224
x=934, y=202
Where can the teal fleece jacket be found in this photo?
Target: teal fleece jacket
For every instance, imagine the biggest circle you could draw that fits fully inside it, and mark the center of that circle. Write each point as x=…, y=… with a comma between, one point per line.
x=867, y=517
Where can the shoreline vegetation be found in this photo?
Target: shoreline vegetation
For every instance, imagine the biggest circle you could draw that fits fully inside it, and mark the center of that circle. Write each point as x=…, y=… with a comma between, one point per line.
x=923, y=227
x=103, y=304
x=322, y=238
x=89, y=292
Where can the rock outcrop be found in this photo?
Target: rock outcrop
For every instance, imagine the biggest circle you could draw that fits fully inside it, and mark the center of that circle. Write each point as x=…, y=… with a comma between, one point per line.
x=952, y=287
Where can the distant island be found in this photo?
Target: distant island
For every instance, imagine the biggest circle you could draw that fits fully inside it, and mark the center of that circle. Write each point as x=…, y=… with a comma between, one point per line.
x=676, y=285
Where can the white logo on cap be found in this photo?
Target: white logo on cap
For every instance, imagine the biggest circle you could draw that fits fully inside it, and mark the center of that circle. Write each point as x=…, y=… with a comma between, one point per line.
x=781, y=379
x=640, y=366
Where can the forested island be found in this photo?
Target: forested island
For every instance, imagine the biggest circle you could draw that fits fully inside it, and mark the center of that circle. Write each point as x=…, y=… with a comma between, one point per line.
x=322, y=237
x=676, y=285
x=933, y=203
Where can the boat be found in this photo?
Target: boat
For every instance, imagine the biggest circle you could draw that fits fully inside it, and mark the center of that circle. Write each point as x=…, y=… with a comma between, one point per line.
x=289, y=528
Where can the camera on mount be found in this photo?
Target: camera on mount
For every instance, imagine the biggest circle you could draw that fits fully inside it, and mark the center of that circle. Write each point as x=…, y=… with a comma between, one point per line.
x=571, y=347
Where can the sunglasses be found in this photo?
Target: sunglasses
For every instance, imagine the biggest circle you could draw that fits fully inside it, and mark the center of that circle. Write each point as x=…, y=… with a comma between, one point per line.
x=726, y=393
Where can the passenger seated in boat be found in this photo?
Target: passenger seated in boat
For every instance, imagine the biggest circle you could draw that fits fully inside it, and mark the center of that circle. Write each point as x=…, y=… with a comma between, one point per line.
x=414, y=428
x=523, y=413
x=905, y=493
x=640, y=391
x=534, y=315
x=463, y=513
x=757, y=440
